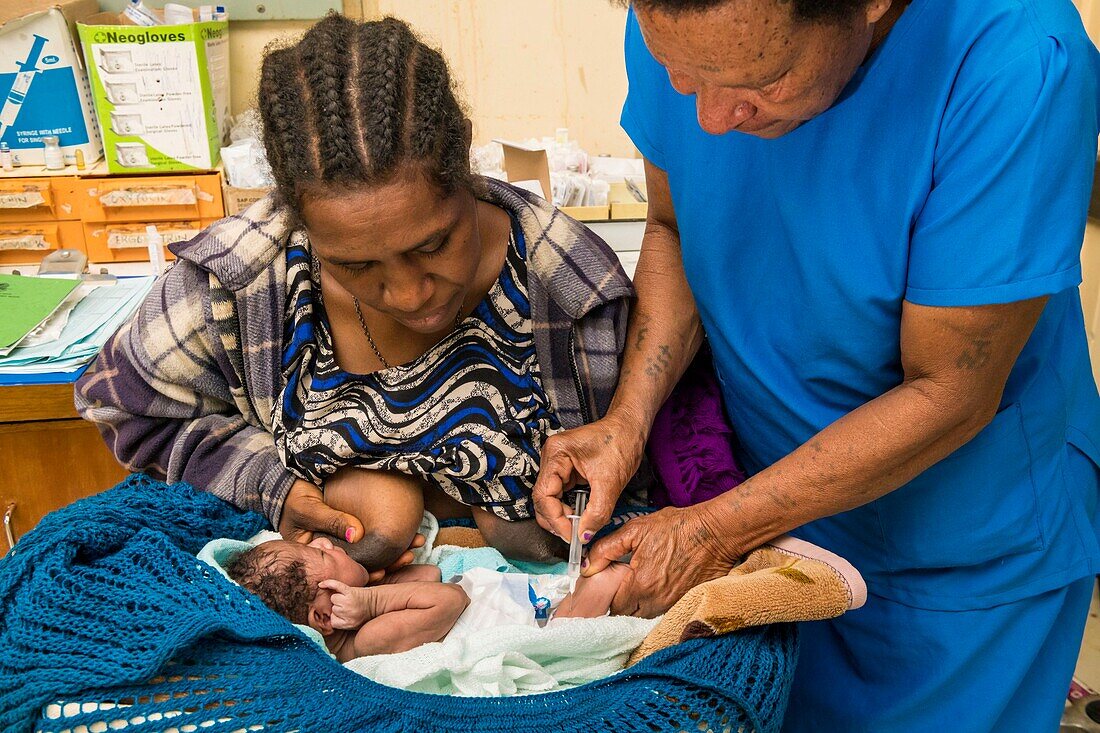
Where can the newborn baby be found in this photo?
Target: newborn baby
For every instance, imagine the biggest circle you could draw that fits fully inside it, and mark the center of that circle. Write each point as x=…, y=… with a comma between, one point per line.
x=319, y=585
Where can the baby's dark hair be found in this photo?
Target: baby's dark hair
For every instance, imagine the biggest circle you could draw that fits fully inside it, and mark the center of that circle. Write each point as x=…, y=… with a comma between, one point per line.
x=280, y=581
x=351, y=102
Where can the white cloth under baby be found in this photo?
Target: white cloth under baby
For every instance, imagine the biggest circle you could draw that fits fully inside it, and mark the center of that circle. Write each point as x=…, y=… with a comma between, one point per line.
x=514, y=659
x=496, y=647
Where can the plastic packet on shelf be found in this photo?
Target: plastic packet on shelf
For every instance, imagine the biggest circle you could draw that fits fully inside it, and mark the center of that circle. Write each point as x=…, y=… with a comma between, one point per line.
x=568, y=188
x=244, y=158
x=247, y=125
x=598, y=192
x=488, y=160
x=246, y=165
x=614, y=170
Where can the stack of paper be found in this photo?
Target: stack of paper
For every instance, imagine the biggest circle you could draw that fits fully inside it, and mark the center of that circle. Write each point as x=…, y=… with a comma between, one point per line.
x=26, y=303
x=73, y=336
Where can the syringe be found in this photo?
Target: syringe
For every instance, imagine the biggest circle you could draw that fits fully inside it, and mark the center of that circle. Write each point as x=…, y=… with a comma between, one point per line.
x=580, y=501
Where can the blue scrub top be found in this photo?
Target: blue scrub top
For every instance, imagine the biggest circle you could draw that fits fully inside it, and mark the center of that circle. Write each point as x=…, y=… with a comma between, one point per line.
x=954, y=170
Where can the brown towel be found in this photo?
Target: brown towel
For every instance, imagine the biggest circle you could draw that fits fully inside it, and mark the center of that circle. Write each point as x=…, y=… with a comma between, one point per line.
x=785, y=580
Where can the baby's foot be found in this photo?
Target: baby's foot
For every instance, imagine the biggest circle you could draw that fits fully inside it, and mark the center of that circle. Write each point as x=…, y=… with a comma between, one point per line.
x=594, y=594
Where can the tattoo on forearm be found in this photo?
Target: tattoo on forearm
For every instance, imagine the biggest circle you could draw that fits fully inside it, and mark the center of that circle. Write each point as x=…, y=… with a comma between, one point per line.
x=780, y=500
x=639, y=338
x=736, y=497
x=658, y=365
x=976, y=356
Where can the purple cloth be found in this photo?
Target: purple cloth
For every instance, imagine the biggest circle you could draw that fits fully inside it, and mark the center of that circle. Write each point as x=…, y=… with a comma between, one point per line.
x=691, y=444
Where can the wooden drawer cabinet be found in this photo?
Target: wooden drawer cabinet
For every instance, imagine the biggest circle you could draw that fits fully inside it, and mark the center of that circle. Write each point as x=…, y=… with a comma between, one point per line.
x=101, y=215
x=49, y=457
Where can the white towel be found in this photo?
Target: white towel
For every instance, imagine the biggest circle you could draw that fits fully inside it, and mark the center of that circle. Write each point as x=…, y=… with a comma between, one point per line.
x=512, y=660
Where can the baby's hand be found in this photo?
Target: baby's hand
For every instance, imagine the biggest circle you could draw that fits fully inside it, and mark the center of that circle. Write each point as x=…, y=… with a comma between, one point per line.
x=351, y=607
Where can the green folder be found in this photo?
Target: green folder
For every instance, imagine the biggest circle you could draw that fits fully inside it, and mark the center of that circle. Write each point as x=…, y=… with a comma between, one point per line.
x=27, y=301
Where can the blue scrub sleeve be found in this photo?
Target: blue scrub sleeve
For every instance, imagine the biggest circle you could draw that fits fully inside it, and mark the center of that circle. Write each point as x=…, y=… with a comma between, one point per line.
x=1013, y=165
x=647, y=81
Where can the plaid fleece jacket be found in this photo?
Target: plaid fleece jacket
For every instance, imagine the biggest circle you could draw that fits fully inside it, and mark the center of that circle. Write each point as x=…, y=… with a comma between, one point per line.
x=185, y=390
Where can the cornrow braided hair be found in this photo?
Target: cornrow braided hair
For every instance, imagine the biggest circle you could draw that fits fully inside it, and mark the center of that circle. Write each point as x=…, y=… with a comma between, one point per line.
x=281, y=583
x=352, y=102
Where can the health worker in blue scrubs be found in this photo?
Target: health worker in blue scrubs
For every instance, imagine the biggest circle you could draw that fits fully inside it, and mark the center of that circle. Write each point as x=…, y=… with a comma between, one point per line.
x=874, y=210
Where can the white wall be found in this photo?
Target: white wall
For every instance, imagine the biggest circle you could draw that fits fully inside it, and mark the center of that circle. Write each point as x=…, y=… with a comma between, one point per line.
x=1090, y=292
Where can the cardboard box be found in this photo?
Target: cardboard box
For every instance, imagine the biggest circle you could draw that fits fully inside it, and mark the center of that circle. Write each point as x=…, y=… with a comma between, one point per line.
x=43, y=85
x=239, y=199
x=161, y=92
x=528, y=168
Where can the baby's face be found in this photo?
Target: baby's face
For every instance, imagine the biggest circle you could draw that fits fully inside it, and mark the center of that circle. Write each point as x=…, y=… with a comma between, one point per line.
x=325, y=561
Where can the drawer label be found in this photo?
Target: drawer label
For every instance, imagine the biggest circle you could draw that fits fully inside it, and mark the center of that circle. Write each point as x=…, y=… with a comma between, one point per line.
x=180, y=196
x=135, y=239
x=21, y=199
x=23, y=241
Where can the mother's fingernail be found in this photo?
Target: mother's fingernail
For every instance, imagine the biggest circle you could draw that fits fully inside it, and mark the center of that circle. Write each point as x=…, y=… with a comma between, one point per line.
x=349, y=534
x=586, y=536
x=584, y=563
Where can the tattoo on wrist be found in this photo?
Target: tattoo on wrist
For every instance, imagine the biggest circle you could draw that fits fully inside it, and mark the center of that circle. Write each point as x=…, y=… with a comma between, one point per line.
x=703, y=535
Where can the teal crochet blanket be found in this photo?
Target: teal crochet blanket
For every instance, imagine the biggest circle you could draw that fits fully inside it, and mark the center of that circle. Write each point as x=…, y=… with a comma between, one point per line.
x=111, y=622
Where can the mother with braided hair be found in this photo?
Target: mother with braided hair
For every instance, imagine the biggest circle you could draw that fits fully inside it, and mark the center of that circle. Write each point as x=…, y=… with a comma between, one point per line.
x=386, y=332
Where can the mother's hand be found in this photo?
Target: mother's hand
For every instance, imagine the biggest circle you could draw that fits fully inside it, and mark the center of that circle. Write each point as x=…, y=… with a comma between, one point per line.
x=674, y=550
x=305, y=512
